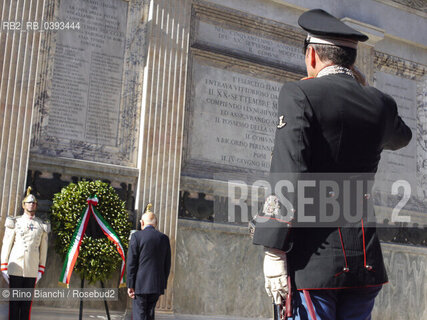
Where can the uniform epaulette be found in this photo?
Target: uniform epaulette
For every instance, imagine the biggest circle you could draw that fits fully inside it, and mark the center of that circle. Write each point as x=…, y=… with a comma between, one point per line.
x=10, y=222
x=46, y=226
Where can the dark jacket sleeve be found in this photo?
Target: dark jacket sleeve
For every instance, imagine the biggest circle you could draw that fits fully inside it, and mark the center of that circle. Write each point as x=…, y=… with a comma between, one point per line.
x=399, y=134
x=167, y=261
x=292, y=142
x=132, y=262
x=291, y=157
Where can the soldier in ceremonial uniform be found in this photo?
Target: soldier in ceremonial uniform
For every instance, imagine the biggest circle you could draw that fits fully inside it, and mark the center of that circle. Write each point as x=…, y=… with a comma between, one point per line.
x=23, y=253
x=330, y=122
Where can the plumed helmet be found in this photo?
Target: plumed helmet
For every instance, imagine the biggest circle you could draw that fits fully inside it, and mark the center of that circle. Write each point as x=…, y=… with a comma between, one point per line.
x=29, y=197
x=148, y=208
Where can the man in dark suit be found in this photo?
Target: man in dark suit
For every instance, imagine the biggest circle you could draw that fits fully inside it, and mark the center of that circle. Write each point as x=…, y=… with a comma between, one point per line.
x=329, y=123
x=148, y=266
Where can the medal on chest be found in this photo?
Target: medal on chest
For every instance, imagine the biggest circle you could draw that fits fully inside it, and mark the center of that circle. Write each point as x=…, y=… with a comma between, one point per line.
x=31, y=227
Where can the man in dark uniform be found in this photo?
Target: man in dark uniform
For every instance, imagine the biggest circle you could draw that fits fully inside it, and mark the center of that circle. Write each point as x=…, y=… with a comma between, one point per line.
x=148, y=266
x=330, y=122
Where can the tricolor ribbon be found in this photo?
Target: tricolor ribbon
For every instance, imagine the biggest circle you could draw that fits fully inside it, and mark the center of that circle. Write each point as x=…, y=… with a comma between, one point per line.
x=74, y=248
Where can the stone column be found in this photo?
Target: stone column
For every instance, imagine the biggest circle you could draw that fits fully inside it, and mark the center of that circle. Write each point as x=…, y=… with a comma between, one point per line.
x=365, y=51
x=19, y=65
x=162, y=118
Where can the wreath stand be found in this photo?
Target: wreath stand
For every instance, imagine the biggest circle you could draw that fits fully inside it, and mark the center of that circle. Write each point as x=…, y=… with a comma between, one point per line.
x=113, y=223
x=81, y=301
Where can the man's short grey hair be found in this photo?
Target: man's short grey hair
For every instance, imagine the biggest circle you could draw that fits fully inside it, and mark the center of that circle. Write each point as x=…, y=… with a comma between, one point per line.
x=341, y=56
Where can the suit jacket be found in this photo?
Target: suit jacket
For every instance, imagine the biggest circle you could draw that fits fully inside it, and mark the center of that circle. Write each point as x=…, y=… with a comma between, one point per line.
x=24, y=249
x=148, y=261
x=333, y=125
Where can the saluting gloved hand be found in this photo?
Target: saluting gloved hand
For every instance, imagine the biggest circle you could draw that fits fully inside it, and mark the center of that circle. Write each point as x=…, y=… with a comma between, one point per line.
x=39, y=276
x=5, y=276
x=275, y=273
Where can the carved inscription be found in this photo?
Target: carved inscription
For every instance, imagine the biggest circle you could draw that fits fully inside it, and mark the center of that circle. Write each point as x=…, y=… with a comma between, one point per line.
x=404, y=92
x=399, y=164
x=234, y=118
x=87, y=72
x=250, y=44
x=406, y=269
x=69, y=94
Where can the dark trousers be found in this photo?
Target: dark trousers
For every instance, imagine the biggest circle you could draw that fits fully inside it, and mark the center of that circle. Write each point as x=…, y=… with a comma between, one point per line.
x=20, y=310
x=143, y=306
x=342, y=304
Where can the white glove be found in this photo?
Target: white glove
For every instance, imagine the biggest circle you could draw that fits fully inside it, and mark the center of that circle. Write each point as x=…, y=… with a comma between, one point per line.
x=275, y=272
x=39, y=276
x=5, y=276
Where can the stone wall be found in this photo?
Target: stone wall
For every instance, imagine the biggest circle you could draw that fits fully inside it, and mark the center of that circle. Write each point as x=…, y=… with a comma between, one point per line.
x=219, y=272
x=20, y=59
x=405, y=296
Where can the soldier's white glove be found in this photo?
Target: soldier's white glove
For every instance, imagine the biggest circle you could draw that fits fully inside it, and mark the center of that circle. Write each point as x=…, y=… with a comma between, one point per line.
x=5, y=276
x=276, y=275
x=39, y=276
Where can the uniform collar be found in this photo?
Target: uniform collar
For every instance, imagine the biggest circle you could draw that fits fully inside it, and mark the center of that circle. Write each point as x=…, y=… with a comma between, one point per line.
x=27, y=216
x=334, y=69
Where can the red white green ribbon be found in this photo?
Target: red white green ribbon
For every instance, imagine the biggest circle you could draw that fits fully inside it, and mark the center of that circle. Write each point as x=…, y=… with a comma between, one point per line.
x=109, y=232
x=74, y=248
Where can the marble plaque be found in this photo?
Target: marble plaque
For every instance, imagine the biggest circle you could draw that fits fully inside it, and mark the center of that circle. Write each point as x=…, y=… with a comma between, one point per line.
x=250, y=45
x=233, y=118
x=404, y=92
x=87, y=73
x=402, y=163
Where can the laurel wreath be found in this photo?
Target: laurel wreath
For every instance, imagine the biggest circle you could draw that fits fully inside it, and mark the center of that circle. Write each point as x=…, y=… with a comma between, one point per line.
x=98, y=259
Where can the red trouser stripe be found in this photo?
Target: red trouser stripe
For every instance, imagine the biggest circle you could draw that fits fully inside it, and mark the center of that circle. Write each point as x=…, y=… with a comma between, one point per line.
x=309, y=305
x=289, y=299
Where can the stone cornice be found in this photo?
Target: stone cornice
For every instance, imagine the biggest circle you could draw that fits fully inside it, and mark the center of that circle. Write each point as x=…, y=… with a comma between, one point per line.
x=401, y=67
x=248, y=22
